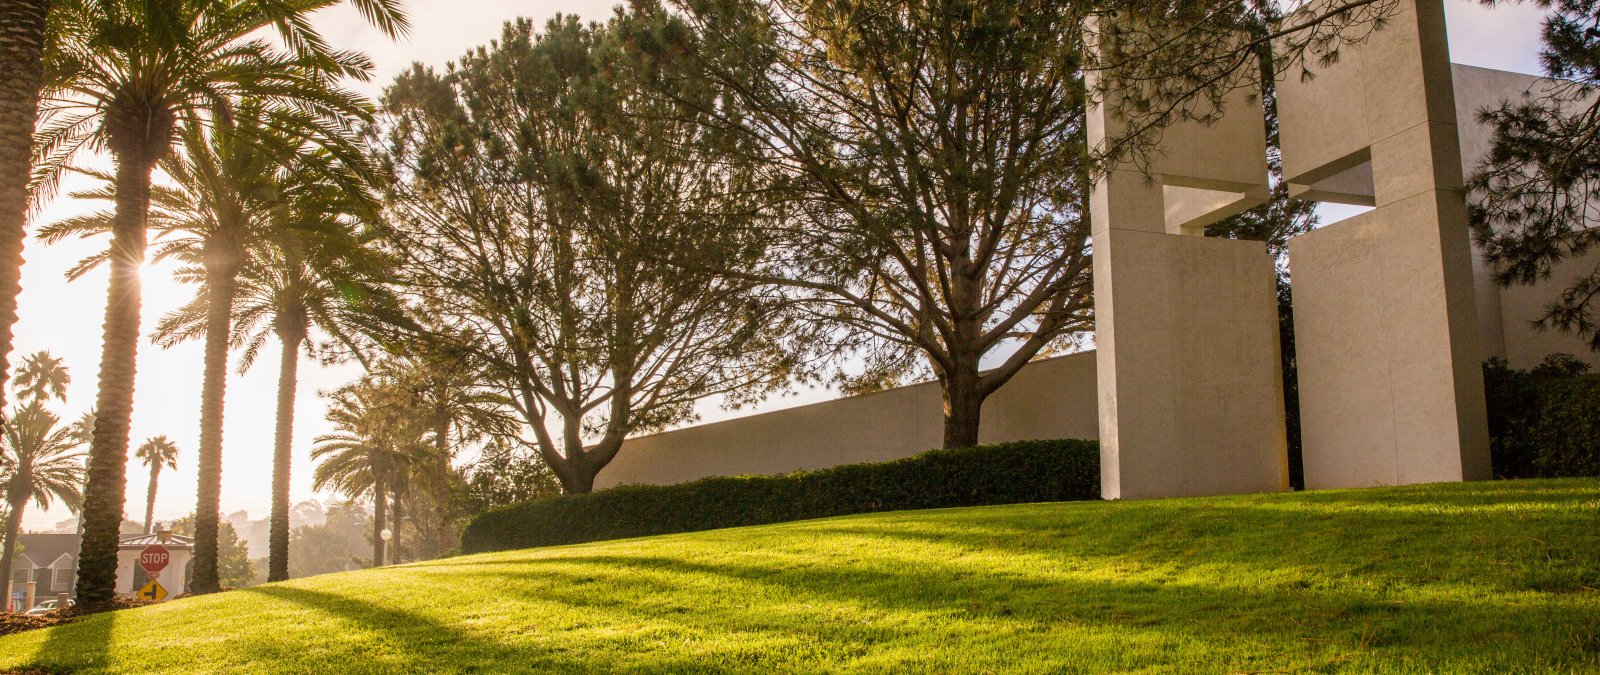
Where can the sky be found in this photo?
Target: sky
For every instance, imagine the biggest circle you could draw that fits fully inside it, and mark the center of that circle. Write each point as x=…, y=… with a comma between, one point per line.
x=65, y=318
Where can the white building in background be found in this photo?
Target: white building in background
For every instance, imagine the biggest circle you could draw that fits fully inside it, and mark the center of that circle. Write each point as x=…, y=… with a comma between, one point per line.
x=174, y=577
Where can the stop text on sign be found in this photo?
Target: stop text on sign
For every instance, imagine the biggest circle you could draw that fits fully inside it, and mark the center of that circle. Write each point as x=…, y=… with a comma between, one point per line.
x=154, y=559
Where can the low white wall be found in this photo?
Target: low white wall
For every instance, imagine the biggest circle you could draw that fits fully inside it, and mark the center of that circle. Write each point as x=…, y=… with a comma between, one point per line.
x=1049, y=398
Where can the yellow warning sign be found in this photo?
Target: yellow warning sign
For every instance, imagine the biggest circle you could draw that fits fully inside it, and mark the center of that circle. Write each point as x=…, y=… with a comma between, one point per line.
x=152, y=591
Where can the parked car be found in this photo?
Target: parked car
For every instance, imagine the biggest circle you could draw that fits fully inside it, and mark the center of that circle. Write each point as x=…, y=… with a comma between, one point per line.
x=47, y=607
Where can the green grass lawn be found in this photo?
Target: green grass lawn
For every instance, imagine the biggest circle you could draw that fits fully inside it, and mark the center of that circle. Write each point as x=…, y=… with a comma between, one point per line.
x=1482, y=577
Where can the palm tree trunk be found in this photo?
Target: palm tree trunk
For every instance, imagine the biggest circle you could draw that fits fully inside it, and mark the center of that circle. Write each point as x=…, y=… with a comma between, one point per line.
x=106, y=491
x=150, y=496
x=288, y=373
x=445, y=538
x=22, y=35
x=380, y=514
x=208, y=504
x=8, y=555
x=391, y=548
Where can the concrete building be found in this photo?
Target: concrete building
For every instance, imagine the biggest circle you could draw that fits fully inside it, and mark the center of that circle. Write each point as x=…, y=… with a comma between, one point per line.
x=1394, y=311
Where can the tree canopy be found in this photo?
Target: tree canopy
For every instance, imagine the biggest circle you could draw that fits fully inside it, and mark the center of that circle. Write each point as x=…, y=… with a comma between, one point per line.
x=1536, y=197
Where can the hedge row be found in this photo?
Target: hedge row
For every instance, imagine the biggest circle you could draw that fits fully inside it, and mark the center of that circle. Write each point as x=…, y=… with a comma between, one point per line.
x=1007, y=473
x=1544, y=422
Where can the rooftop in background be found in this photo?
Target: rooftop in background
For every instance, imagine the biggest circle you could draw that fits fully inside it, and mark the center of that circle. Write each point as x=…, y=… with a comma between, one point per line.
x=170, y=541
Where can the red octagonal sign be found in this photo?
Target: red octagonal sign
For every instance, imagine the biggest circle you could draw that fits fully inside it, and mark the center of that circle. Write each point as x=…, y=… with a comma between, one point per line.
x=154, y=558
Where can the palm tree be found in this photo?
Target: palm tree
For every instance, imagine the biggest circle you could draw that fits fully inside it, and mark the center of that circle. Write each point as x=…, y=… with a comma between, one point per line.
x=334, y=291
x=83, y=429
x=311, y=271
x=22, y=44
x=42, y=377
x=42, y=464
x=143, y=74
x=457, y=411
x=377, y=440
x=156, y=453
x=237, y=181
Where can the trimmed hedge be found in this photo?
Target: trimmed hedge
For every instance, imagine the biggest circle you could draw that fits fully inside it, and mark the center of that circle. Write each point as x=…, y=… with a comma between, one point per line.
x=1006, y=473
x=1544, y=422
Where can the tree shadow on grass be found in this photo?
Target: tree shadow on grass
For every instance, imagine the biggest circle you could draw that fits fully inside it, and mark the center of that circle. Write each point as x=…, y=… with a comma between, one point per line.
x=423, y=644
x=1322, y=626
x=84, y=644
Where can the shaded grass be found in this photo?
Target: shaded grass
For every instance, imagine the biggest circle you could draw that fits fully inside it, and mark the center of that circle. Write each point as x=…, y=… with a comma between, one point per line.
x=1481, y=577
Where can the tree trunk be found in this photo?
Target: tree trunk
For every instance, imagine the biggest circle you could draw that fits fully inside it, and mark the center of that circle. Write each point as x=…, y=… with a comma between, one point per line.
x=22, y=35
x=150, y=496
x=963, y=403
x=576, y=471
x=445, y=539
x=8, y=555
x=208, y=502
x=106, y=490
x=380, y=515
x=391, y=548
x=288, y=382
x=578, y=478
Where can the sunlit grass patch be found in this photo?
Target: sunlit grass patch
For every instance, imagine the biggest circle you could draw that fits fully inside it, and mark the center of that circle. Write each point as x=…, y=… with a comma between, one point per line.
x=1483, y=577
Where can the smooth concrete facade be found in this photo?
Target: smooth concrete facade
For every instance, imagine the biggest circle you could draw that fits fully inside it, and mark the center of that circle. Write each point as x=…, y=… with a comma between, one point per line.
x=1386, y=331
x=1050, y=398
x=1191, y=392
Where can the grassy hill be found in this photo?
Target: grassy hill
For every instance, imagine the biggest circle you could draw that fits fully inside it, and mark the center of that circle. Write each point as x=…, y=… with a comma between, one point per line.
x=1488, y=577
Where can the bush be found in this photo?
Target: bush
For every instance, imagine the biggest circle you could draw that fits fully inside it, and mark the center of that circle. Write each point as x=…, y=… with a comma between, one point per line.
x=1545, y=422
x=1007, y=473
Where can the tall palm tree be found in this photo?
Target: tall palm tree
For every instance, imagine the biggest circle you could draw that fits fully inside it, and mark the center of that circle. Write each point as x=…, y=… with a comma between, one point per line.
x=457, y=410
x=22, y=45
x=42, y=377
x=334, y=291
x=43, y=463
x=236, y=181
x=313, y=271
x=156, y=453
x=143, y=73
x=376, y=441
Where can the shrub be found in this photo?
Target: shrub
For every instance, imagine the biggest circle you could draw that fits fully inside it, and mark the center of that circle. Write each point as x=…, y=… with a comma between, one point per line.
x=1545, y=422
x=1007, y=473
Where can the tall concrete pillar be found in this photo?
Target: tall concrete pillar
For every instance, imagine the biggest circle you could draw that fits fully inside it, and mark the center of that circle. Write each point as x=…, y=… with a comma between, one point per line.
x=1391, y=387
x=1191, y=398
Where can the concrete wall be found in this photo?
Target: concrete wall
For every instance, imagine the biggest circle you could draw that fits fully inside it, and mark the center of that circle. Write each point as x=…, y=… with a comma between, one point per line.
x=1386, y=329
x=1505, y=315
x=1050, y=398
x=1191, y=394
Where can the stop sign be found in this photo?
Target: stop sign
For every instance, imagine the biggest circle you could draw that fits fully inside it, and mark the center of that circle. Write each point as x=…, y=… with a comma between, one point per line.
x=154, y=558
